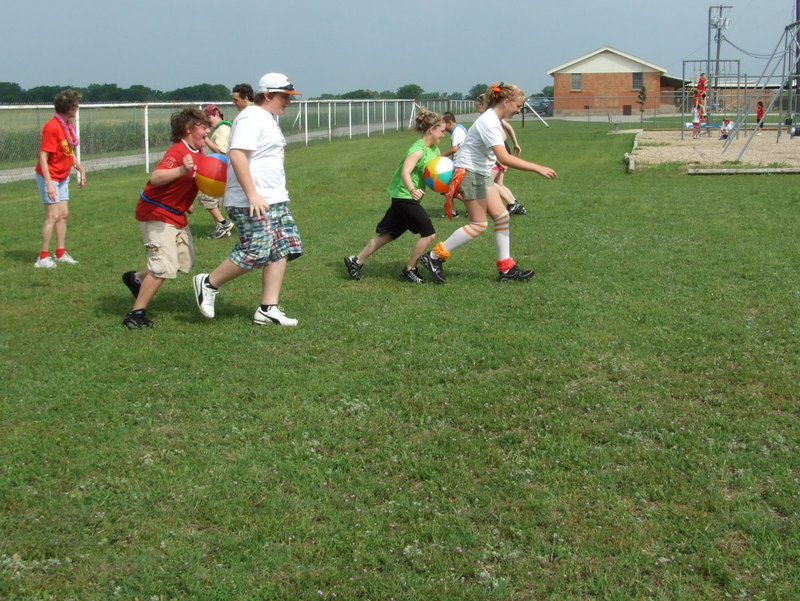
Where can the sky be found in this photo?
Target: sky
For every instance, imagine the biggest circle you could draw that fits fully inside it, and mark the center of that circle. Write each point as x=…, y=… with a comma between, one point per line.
x=335, y=47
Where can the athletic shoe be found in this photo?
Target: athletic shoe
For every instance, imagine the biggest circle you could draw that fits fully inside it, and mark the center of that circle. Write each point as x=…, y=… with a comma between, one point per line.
x=516, y=208
x=46, y=263
x=65, y=258
x=411, y=275
x=135, y=322
x=129, y=279
x=223, y=229
x=455, y=214
x=434, y=266
x=273, y=315
x=353, y=268
x=515, y=274
x=204, y=294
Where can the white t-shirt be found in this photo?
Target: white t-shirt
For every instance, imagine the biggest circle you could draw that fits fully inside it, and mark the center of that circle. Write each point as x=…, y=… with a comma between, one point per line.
x=457, y=135
x=257, y=131
x=476, y=152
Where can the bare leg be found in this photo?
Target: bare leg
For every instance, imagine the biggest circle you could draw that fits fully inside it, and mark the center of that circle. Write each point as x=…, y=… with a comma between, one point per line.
x=150, y=285
x=418, y=250
x=216, y=214
x=271, y=281
x=373, y=245
x=55, y=219
x=225, y=272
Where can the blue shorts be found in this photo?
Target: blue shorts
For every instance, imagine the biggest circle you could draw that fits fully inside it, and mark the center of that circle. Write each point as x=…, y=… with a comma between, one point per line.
x=264, y=240
x=62, y=188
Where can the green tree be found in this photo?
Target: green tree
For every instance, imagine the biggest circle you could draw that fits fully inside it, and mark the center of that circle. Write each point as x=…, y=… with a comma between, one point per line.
x=106, y=92
x=410, y=90
x=356, y=94
x=477, y=90
x=139, y=93
x=640, y=101
x=43, y=94
x=10, y=92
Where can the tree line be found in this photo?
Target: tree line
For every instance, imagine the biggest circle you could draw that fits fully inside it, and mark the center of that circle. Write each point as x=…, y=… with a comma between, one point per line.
x=13, y=93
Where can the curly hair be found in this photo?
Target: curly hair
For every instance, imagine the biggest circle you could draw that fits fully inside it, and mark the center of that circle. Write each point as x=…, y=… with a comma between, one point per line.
x=66, y=100
x=185, y=119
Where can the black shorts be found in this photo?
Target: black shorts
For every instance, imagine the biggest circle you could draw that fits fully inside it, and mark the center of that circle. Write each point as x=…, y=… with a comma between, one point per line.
x=405, y=215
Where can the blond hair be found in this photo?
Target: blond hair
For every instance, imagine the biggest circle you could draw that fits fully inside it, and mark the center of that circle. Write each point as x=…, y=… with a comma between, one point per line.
x=495, y=94
x=426, y=119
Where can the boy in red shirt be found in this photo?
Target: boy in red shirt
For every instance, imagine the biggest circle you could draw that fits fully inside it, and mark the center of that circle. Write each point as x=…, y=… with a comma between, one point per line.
x=161, y=213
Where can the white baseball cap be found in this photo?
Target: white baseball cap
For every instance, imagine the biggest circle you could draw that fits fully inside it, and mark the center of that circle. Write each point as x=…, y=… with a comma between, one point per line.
x=275, y=82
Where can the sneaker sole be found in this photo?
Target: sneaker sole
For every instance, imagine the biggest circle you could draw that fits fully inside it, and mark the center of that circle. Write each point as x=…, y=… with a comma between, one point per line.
x=525, y=279
x=268, y=320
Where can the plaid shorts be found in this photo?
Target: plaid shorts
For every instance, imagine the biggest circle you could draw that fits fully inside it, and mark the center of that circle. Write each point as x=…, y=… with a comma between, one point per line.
x=264, y=240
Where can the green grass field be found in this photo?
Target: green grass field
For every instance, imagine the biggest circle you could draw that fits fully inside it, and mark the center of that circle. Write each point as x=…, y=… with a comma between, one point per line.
x=623, y=426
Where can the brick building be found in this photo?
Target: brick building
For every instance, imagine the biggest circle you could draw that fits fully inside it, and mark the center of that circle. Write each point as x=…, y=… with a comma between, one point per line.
x=610, y=80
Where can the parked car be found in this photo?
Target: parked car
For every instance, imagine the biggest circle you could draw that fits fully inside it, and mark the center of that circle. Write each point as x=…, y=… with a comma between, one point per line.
x=540, y=104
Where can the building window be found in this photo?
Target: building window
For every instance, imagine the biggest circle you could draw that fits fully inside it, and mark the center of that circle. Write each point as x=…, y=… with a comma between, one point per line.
x=638, y=81
x=575, y=84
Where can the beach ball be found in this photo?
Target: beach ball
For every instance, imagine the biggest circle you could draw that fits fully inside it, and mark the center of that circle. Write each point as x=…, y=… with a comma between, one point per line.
x=212, y=174
x=438, y=173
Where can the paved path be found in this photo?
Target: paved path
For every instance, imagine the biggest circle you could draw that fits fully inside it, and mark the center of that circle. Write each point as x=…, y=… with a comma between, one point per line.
x=27, y=173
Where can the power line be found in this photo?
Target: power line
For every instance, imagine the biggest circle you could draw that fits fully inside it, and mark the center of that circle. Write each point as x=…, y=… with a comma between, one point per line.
x=750, y=54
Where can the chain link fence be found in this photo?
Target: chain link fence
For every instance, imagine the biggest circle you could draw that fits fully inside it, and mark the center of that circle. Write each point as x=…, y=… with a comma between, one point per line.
x=114, y=135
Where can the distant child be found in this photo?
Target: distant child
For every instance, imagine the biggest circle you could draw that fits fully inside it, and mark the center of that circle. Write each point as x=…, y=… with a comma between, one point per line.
x=760, y=116
x=726, y=129
x=56, y=160
x=161, y=213
x=701, y=84
x=457, y=134
x=406, y=189
x=695, y=122
x=217, y=142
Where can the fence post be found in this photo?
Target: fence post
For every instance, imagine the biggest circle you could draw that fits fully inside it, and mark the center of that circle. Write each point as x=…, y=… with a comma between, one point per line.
x=350, y=118
x=147, y=138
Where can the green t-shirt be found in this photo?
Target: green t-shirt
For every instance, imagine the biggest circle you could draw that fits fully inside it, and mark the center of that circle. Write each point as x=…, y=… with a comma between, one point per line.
x=396, y=188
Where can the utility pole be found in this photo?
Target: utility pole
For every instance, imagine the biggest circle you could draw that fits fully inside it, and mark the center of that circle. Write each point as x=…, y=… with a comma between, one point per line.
x=717, y=21
x=797, y=57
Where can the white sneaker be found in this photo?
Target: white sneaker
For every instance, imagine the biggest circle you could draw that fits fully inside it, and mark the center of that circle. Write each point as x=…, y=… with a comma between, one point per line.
x=65, y=258
x=46, y=263
x=204, y=294
x=275, y=315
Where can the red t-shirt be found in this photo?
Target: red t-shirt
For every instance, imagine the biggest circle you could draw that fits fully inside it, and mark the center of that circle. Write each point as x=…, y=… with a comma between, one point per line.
x=61, y=154
x=178, y=194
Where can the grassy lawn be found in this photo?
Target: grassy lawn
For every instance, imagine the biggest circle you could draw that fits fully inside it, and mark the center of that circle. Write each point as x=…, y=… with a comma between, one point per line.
x=623, y=426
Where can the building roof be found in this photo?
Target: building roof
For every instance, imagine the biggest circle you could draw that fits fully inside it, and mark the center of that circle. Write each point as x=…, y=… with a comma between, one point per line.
x=596, y=57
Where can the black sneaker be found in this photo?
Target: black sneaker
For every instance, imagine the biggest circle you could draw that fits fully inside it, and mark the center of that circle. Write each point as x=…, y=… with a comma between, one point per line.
x=434, y=266
x=515, y=274
x=133, y=321
x=129, y=278
x=516, y=208
x=353, y=268
x=455, y=214
x=411, y=275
